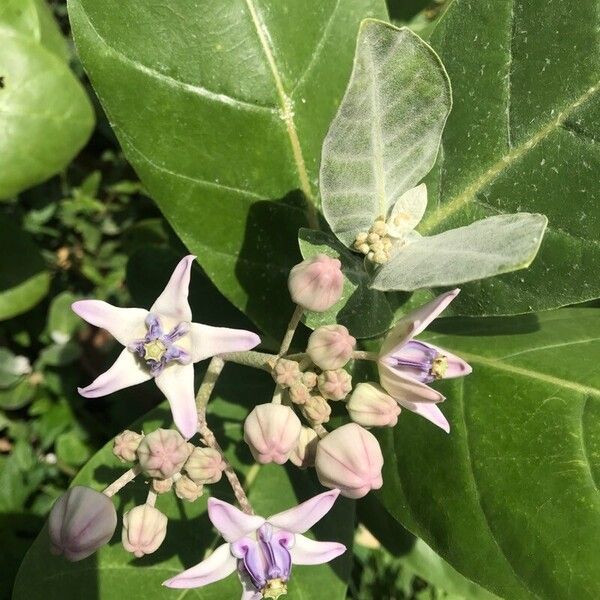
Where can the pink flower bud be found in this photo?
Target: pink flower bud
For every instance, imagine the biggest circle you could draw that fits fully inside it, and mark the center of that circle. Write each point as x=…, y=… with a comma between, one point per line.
x=370, y=406
x=286, y=372
x=316, y=410
x=80, y=522
x=126, y=444
x=330, y=347
x=205, y=465
x=162, y=486
x=144, y=529
x=299, y=393
x=186, y=489
x=335, y=385
x=309, y=379
x=316, y=283
x=162, y=453
x=304, y=453
x=271, y=431
x=349, y=458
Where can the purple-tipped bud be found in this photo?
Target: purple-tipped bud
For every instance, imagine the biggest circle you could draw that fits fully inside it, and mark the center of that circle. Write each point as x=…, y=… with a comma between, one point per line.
x=330, y=347
x=162, y=453
x=271, y=431
x=186, y=489
x=370, y=406
x=317, y=410
x=162, y=486
x=304, y=453
x=350, y=459
x=144, y=529
x=286, y=372
x=205, y=465
x=299, y=393
x=126, y=445
x=316, y=283
x=80, y=522
x=309, y=379
x=335, y=385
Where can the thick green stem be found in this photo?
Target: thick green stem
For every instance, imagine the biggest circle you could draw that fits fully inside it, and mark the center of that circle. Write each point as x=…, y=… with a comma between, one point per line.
x=256, y=360
x=291, y=330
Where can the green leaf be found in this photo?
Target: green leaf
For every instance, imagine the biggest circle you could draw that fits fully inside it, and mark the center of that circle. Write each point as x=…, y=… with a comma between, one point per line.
x=482, y=249
x=386, y=134
x=71, y=449
x=46, y=116
x=523, y=135
x=510, y=497
x=365, y=312
x=51, y=36
x=62, y=321
x=17, y=396
x=113, y=573
x=10, y=370
x=225, y=129
x=24, y=280
x=22, y=16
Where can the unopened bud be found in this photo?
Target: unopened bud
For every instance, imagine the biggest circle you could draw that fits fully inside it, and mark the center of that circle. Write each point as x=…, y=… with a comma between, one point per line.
x=186, y=489
x=205, y=465
x=316, y=410
x=162, y=453
x=330, y=347
x=144, y=529
x=162, y=486
x=349, y=458
x=304, y=453
x=379, y=227
x=309, y=379
x=286, y=372
x=335, y=385
x=316, y=283
x=361, y=238
x=80, y=522
x=126, y=445
x=299, y=393
x=370, y=406
x=271, y=431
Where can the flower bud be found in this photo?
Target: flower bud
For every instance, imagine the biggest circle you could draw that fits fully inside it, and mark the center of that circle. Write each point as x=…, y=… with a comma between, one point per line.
x=330, y=347
x=316, y=410
x=162, y=486
x=335, y=385
x=286, y=372
x=370, y=406
x=299, y=393
x=162, y=453
x=349, y=458
x=186, y=489
x=205, y=465
x=144, y=529
x=303, y=455
x=309, y=379
x=271, y=431
x=316, y=283
x=80, y=522
x=126, y=445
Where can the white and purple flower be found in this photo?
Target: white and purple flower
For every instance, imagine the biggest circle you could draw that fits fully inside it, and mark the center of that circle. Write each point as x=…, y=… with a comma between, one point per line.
x=262, y=550
x=407, y=365
x=163, y=344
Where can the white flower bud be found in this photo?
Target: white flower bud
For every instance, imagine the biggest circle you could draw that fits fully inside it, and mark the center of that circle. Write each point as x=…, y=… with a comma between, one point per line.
x=144, y=529
x=299, y=393
x=304, y=453
x=205, y=465
x=316, y=410
x=330, y=347
x=370, y=406
x=189, y=490
x=162, y=453
x=335, y=385
x=162, y=486
x=309, y=379
x=316, y=283
x=126, y=445
x=286, y=372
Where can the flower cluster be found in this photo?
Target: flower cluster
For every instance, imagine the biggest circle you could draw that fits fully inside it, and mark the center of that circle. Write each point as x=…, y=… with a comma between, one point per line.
x=163, y=343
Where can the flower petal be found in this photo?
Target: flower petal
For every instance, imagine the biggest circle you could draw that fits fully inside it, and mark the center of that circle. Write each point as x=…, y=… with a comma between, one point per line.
x=310, y=552
x=209, y=341
x=231, y=522
x=430, y=411
x=124, y=324
x=457, y=367
x=173, y=302
x=125, y=371
x=176, y=382
x=218, y=565
x=403, y=388
x=415, y=322
x=302, y=517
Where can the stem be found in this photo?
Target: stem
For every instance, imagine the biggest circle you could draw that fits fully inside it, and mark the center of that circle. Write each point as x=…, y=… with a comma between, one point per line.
x=291, y=330
x=122, y=481
x=215, y=367
x=151, y=499
x=363, y=355
x=277, y=395
x=257, y=360
x=320, y=430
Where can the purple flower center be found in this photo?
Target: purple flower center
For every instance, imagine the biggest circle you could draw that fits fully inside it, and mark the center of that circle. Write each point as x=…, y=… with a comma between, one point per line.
x=266, y=560
x=157, y=349
x=420, y=361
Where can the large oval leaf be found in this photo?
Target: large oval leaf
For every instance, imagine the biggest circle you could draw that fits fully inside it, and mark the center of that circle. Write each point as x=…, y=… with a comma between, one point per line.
x=510, y=497
x=222, y=111
x=522, y=135
x=113, y=573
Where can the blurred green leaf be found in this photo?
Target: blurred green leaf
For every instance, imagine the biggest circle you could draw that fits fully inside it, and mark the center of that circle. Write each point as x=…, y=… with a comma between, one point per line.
x=22, y=16
x=71, y=449
x=59, y=355
x=62, y=321
x=18, y=395
x=51, y=36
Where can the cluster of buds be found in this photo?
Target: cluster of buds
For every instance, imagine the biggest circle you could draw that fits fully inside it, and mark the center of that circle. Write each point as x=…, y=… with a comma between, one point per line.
x=376, y=244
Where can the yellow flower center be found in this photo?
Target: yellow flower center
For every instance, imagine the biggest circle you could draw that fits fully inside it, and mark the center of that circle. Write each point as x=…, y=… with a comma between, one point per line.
x=274, y=588
x=439, y=366
x=154, y=350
